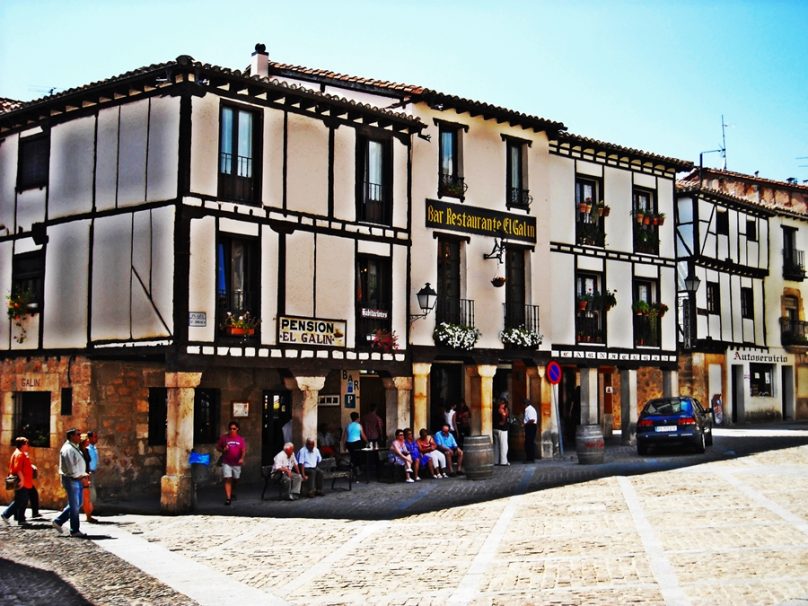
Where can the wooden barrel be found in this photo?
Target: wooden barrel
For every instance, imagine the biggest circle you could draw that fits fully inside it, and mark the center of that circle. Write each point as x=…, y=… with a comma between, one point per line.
x=589, y=444
x=516, y=441
x=478, y=457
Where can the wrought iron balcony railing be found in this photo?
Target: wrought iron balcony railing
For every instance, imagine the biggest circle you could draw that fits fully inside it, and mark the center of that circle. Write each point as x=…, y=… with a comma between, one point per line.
x=526, y=316
x=589, y=327
x=519, y=198
x=236, y=180
x=451, y=185
x=374, y=207
x=793, y=264
x=793, y=332
x=646, y=331
x=590, y=233
x=455, y=311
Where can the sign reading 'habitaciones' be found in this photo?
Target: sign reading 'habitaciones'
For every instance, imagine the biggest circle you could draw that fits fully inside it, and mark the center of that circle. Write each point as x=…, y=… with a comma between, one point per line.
x=474, y=220
x=311, y=331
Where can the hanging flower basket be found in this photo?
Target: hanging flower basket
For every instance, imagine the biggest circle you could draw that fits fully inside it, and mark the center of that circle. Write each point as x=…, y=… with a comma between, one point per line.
x=641, y=308
x=240, y=332
x=241, y=325
x=385, y=341
x=639, y=215
x=520, y=337
x=456, y=336
x=498, y=281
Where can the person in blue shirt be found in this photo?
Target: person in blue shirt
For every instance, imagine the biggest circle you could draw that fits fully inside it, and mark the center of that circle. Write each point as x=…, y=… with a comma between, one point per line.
x=307, y=459
x=354, y=439
x=448, y=446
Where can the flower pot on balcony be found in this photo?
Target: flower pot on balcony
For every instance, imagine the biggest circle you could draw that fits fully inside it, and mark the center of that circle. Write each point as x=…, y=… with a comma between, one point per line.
x=584, y=207
x=605, y=210
x=236, y=331
x=582, y=304
x=646, y=220
x=639, y=216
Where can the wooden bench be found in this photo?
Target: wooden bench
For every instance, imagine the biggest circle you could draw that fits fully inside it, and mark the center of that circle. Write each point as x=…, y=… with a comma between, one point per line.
x=331, y=471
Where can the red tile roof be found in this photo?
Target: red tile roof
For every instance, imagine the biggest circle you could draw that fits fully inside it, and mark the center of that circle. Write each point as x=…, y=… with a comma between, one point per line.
x=572, y=140
x=6, y=105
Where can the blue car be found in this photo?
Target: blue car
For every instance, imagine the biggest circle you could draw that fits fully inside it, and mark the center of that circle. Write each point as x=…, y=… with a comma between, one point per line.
x=679, y=421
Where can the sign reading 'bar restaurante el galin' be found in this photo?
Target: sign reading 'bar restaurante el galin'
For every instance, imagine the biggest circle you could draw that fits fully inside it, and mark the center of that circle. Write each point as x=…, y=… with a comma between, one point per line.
x=474, y=220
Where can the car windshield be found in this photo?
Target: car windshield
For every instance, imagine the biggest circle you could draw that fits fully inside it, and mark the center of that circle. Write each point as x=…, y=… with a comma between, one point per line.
x=668, y=407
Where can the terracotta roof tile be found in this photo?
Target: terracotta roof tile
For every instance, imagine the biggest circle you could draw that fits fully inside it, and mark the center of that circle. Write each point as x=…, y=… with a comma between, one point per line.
x=6, y=105
x=572, y=139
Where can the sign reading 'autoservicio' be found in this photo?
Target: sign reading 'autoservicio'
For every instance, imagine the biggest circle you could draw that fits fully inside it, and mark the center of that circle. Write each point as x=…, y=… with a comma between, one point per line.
x=311, y=331
x=474, y=220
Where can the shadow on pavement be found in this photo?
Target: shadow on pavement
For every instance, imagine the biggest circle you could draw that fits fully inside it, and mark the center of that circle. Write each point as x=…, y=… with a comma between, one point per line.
x=22, y=585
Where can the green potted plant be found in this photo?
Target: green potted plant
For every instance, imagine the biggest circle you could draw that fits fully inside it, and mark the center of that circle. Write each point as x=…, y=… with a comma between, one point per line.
x=641, y=308
x=242, y=325
x=606, y=300
x=584, y=300
x=520, y=337
x=604, y=209
x=659, y=219
x=661, y=309
x=21, y=304
x=456, y=336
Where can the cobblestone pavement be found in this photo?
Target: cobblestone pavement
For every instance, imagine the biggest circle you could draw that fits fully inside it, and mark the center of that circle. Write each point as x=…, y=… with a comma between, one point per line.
x=728, y=531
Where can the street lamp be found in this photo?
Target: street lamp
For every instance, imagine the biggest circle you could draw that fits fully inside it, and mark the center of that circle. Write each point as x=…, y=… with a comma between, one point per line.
x=692, y=284
x=426, y=301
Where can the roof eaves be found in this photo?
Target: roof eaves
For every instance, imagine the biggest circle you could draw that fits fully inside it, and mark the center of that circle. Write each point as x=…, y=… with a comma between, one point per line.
x=573, y=140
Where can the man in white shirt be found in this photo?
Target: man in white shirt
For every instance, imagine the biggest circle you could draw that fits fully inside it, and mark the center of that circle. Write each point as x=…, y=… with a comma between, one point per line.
x=73, y=469
x=286, y=471
x=531, y=426
x=308, y=458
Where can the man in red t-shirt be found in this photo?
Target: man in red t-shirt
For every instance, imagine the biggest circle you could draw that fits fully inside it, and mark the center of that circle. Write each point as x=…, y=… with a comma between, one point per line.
x=233, y=448
x=20, y=465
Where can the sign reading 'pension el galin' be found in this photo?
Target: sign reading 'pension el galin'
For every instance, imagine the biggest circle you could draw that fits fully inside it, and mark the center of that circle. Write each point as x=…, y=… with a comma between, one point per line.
x=311, y=331
x=474, y=220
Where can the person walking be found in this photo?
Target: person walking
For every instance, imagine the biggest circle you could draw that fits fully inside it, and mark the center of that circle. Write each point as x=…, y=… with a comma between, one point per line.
x=354, y=438
x=20, y=466
x=531, y=421
x=72, y=469
x=89, y=494
x=233, y=449
x=501, y=419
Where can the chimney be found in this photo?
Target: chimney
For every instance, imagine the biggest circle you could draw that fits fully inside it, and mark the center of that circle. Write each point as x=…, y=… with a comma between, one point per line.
x=259, y=65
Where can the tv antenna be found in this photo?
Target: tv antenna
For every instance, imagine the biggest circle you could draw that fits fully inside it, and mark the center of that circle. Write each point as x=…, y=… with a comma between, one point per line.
x=721, y=150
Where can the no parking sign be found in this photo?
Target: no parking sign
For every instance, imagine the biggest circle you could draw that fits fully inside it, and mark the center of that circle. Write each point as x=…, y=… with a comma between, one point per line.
x=554, y=373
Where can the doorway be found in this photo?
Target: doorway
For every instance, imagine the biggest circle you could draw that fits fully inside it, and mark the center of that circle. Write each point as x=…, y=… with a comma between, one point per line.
x=569, y=404
x=787, y=391
x=737, y=393
x=445, y=388
x=275, y=413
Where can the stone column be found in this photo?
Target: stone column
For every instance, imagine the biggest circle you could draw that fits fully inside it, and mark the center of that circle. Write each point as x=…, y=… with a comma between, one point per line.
x=176, y=487
x=473, y=393
x=670, y=383
x=485, y=414
x=589, y=396
x=398, y=391
x=628, y=406
x=549, y=419
x=307, y=412
x=420, y=394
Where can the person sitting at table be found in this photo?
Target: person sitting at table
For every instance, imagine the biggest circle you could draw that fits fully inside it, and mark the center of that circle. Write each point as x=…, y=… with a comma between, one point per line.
x=419, y=459
x=353, y=439
x=308, y=458
x=448, y=446
x=399, y=455
x=426, y=445
x=286, y=471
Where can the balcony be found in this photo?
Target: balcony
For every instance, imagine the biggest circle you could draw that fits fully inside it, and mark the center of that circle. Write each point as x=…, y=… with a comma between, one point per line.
x=375, y=208
x=236, y=181
x=236, y=313
x=589, y=327
x=519, y=198
x=451, y=185
x=793, y=264
x=454, y=311
x=793, y=333
x=646, y=331
x=590, y=234
x=526, y=316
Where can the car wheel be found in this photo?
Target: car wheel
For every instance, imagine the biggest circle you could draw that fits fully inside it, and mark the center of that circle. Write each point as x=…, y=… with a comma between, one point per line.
x=701, y=444
x=642, y=449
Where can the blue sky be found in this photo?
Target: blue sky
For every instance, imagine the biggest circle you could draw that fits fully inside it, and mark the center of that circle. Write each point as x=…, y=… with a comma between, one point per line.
x=652, y=75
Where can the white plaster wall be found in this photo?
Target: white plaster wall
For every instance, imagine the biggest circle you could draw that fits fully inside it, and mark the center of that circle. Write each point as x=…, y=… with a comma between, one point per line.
x=106, y=174
x=71, y=173
x=335, y=278
x=111, y=291
x=202, y=277
x=6, y=255
x=620, y=321
x=667, y=295
x=66, y=282
x=617, y=193
x=132, y=162
x=307, y=168
x=164, y=145
x=272, y=176
x=205, y=145
x=269, y=285
x=592, y=169
x=8, y=181
x=561, y=212
x=562, y=325
x=400, y=313
x=153, y=260
x=667, y=231
x=300, y=274
x=30, y=208
x=399, y=184
x=345, y=174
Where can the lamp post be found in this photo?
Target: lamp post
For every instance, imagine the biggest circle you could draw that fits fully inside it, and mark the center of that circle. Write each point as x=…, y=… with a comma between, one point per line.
x=692, y=284
x=426, y=301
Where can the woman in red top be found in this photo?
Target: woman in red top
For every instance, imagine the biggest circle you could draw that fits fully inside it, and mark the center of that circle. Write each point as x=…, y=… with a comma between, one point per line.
x=19, y=465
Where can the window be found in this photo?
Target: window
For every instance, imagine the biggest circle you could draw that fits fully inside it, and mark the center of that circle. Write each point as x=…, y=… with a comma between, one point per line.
x=450, y=161
x=28, y=271
x=760, y=380
x=373, y=297
x=32, y=167
x=448, y=308
x=158, y=415
x=206, y=416
x=66, y=402
x=722, y=222
x=515, y=287
x=793, y=259
x=747, y=303
x=518, y=194
x=237, y=278
x=32, y=416
x=713, y=297
x=646, y=221
x=589, y=319
x=239, y=154
x=648, y=313
x=751, y=230
x=374, y=180
x=588, y=216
